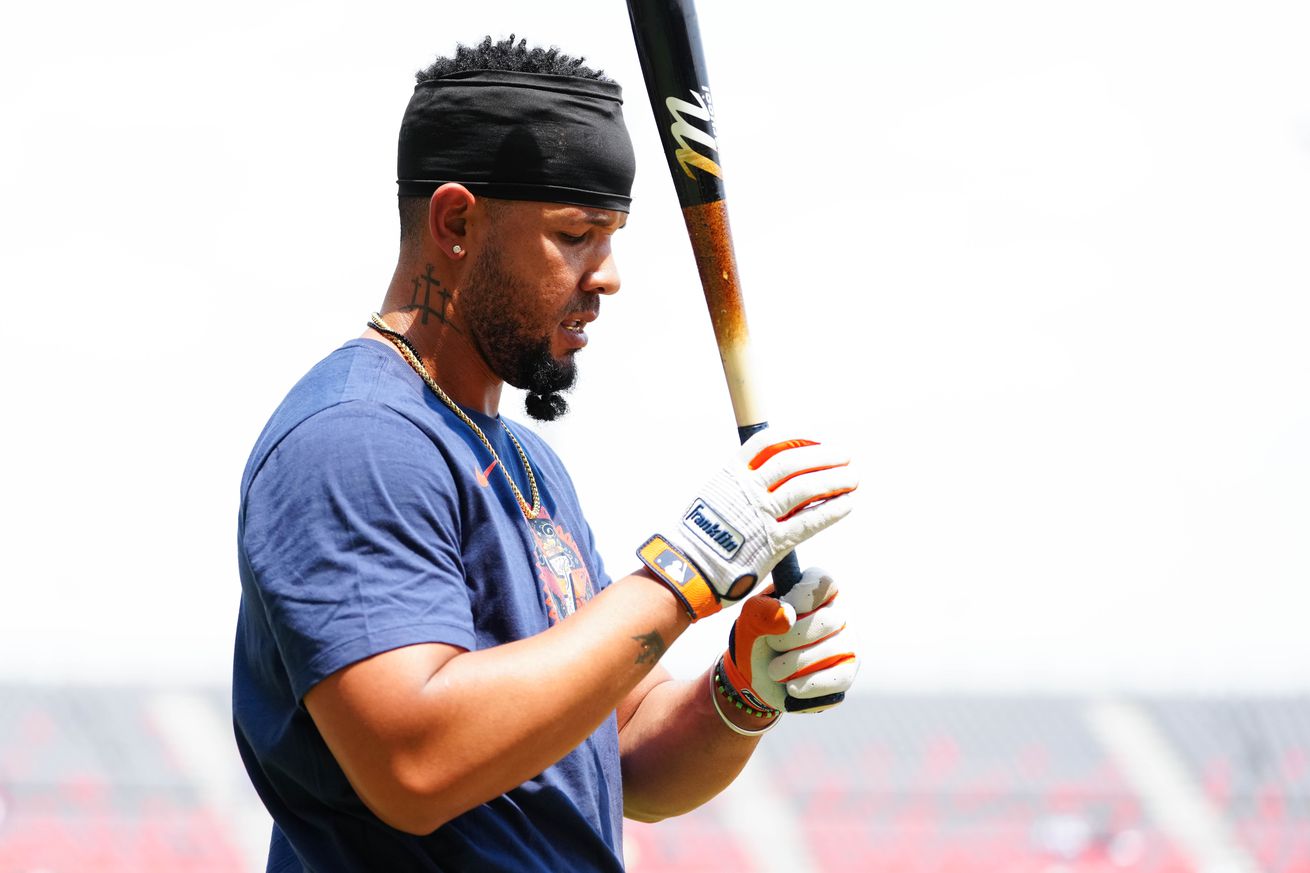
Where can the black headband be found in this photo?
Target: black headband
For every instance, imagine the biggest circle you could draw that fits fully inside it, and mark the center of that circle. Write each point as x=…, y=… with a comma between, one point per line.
x=518, y=136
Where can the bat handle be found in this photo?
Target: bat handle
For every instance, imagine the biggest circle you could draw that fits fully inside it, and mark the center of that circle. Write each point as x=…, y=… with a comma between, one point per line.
x=785, y=576
x=788, y=571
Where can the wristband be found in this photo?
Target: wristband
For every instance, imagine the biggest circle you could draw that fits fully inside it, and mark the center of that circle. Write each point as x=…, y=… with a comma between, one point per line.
x=720, y=687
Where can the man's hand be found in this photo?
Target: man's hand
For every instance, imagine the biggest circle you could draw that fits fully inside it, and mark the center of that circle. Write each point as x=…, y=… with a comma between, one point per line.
x=791, y=646
x=774, y=494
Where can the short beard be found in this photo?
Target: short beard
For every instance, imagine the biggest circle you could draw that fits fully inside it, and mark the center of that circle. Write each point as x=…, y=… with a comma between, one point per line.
x=492, y=296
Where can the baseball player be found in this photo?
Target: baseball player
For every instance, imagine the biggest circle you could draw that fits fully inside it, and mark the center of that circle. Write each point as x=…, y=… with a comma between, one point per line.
x=433, y=670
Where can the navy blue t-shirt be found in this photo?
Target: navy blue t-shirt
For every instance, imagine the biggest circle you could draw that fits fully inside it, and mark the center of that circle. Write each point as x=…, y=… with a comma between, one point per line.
x=371, y=518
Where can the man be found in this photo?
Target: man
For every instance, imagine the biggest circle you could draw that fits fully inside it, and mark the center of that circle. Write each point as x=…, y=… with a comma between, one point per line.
x=433, y=671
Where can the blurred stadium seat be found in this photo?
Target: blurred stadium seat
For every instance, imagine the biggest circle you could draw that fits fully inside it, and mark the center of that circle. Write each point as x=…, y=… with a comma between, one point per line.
x=1253, y=759
x=918, y=784
x=98, y=779
x=88, y=784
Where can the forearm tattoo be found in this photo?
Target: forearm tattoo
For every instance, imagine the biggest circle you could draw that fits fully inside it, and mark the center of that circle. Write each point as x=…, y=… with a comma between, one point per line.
x=427, y=283
x=652, y=648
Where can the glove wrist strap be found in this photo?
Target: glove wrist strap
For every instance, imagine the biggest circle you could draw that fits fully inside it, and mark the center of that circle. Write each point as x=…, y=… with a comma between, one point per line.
x=672, y=567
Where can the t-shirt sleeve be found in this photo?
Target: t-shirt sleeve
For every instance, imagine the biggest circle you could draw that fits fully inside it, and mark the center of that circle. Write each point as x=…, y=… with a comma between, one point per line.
x=351, y=529
x=602, y=579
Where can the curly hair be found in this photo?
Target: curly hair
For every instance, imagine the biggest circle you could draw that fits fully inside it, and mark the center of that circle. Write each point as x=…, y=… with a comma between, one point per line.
x=509, y=55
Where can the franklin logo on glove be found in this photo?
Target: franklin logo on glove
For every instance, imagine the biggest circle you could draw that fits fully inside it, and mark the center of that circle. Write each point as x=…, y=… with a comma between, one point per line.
x=709, y=526
x=776, y=491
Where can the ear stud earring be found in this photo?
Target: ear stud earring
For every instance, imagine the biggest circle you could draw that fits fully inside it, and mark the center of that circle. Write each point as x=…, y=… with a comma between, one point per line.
x=456, y=249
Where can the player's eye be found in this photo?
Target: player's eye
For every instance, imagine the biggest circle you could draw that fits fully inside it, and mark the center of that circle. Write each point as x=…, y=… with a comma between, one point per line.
x=571, y=239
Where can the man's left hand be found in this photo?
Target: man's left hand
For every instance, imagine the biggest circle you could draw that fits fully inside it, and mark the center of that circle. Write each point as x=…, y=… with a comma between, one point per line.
x=793, y=645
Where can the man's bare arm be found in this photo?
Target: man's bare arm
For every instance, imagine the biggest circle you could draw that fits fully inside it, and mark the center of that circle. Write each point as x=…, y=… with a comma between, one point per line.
x=676, y=751
x=427, y=732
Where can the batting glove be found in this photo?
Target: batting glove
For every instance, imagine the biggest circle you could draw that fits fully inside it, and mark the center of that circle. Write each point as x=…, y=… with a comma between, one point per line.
x=789, y=652
x=775, y=493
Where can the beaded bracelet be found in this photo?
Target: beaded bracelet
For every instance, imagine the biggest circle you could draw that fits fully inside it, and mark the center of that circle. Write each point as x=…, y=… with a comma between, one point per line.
x=719, y=686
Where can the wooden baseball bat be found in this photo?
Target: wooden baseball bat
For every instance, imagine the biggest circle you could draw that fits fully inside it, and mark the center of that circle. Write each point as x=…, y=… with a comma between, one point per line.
x=673, y=64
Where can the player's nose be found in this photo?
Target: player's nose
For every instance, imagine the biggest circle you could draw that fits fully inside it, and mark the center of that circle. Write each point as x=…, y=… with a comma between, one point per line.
x=604, y=279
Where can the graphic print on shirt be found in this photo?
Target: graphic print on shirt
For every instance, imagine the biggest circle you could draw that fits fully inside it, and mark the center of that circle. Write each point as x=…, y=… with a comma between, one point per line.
x=565, y=581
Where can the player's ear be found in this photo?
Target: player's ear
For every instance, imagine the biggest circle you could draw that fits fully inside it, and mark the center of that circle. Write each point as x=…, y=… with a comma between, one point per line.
x=448, y=212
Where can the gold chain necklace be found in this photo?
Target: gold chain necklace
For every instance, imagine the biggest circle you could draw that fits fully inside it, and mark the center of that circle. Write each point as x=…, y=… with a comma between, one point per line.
x=407, y=352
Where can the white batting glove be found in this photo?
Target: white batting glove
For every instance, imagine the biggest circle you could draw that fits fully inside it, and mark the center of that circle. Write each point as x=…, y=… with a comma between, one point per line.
x=776, y=492
x=784, y=653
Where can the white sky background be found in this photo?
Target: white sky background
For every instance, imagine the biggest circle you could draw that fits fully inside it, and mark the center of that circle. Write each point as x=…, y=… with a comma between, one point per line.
x=1041, y=265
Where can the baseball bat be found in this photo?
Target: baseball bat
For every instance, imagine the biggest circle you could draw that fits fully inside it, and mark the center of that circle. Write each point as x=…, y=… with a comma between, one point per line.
x=673, y=64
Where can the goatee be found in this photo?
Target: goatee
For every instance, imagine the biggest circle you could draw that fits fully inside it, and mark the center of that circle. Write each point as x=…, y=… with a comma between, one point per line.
x=545, y=378
x=494, y=299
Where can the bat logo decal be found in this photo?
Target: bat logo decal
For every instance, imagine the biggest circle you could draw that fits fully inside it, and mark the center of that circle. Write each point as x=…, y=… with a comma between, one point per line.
x=683, y=130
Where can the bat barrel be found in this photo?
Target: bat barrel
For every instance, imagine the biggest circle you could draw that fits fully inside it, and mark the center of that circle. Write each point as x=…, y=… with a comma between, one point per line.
x=711, y=242
x=673, y=64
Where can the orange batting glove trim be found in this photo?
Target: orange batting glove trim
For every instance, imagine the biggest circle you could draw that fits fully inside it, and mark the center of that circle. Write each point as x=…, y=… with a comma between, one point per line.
x=822, y=664
x=683, y=577
x=785, y=479
x=767, y=452
x=734, y=674
x=818, y=498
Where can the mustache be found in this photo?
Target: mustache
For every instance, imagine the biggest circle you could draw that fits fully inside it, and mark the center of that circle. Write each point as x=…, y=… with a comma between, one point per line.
x=588, y=305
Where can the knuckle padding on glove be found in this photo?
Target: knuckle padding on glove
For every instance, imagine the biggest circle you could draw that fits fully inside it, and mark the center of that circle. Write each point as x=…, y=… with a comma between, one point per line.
x=808, y=611
x=788, y=464
x=797, y=662
x=767, y=453
x=785, y=479
x=836, y=678
x=817, y=498
x=804, y=491
x=808, y=632
x=815, y=590
x=821, y=664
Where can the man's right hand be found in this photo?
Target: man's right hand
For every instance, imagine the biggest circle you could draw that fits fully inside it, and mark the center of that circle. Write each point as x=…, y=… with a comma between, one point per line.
x=776, y=492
